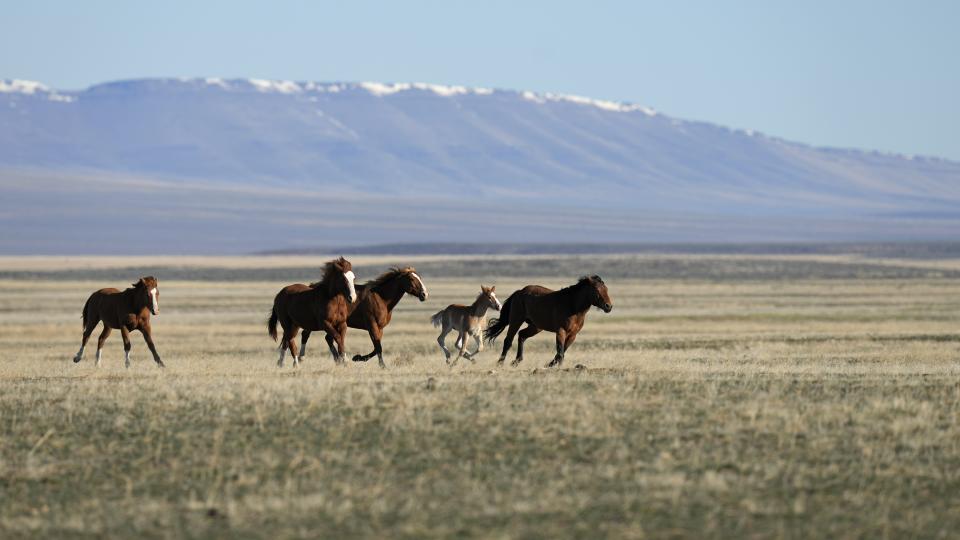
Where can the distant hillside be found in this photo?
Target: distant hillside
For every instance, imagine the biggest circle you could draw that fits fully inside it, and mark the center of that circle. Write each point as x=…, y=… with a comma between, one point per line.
x=208, y=165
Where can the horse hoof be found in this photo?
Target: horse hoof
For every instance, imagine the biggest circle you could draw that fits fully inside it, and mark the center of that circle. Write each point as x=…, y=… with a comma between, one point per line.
x=161, y=365
x=358, y=358
x=76, y=359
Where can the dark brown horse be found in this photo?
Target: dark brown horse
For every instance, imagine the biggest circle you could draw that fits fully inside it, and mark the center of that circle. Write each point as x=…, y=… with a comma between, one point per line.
x=127, y=310
x=562, y=312
x=377, y=300
x=319, y=306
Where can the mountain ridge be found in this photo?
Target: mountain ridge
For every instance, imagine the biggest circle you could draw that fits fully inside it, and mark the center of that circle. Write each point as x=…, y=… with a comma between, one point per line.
x=495, y=158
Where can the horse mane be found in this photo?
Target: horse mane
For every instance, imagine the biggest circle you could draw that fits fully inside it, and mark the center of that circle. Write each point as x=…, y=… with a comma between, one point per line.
x=329, y=268
x=387, y=276
x=142, y=282
x=584, y=280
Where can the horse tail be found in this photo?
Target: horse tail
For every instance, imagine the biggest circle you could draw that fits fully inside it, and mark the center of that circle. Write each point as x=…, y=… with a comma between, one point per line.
x=437, y=318
x=272, y=321
x=86, y=309
x=496, y=326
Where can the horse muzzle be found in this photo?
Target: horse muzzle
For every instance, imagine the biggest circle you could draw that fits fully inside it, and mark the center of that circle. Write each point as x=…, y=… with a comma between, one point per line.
x=423, y=297
x=607, y=308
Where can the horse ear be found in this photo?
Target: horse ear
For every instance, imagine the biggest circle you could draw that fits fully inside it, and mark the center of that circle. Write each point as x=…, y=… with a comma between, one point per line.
x=493, y=288
x=140, y=283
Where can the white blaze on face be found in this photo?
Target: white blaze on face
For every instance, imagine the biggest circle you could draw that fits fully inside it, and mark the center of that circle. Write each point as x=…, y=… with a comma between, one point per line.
x=156, y=303
x=496, y=301
x=353, y=291
x=422, y=286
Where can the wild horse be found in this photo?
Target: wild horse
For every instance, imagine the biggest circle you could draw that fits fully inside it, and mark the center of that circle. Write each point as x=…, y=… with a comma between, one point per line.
x=128, y=310
x=319, y=306
x=562, y=312
x=377, y=298
x=467, y=321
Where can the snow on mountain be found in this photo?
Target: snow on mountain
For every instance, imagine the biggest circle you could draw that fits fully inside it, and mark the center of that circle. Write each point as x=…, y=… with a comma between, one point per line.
x=618, y=163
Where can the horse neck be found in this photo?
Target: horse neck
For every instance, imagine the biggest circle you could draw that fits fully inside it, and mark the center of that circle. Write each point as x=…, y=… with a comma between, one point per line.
x=133, y=300
x=390, y=291
x=479, y=307
x=330, y=290
x=579, y=300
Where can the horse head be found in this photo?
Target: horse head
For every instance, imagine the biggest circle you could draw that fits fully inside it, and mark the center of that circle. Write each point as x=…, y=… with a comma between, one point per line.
x=487, y=293
x=338, y=275
x=148, y=293
x=601, y=297
x=412, y=284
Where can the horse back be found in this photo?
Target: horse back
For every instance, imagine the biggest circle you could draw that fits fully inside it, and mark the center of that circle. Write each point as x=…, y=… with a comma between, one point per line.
x=106, y=305
x=370, y=305
x=536, y=290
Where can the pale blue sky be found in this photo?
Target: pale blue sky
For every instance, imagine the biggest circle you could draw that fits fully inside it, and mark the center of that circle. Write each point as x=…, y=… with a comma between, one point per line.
x=876, y=75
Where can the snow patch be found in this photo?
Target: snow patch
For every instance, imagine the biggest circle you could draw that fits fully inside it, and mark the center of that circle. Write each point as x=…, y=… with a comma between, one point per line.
x=383, y=89
x=615, y=106
x=216, y=81
x=18, y=86
x=30, y=88
x=283, y=87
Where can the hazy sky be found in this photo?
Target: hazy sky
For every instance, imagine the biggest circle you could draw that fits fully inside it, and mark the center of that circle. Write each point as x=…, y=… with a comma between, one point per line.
x=868, y=74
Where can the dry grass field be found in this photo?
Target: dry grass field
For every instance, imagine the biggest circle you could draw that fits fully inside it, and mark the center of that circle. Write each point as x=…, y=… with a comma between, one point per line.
x=722, y=397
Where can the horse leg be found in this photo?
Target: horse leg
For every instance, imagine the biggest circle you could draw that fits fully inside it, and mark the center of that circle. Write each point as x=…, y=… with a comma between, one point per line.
x=290, y=341
x=479, y=343
x=561, y=341
x=125, y=334
x=341, y=346
x=442, y=338
x=283, y=351
x=461, y=347
x=508, y=341
x=83, y=343
x=376, y=334
x=148, y=337
x=525, y=334
x=304, y=336
x=571, y=337
x=104, y=334
x=332, y=347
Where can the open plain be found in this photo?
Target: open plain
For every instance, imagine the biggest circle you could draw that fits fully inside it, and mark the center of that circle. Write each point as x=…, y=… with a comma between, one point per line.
x=738, y=396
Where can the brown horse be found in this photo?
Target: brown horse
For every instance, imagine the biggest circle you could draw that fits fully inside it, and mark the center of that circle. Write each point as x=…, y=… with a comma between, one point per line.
x=378, y=297
x=467, y=321
x=128, y=310
x=319, y=306
x=562, y=312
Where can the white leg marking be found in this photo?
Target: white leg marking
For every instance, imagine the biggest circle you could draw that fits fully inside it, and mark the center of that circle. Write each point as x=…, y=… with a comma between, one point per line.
x=99, y=352
x=353, y=291
x=422, y=286
x=126, y=358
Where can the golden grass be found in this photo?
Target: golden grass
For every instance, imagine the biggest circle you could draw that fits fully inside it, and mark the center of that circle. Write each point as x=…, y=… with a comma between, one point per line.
x=812, y=408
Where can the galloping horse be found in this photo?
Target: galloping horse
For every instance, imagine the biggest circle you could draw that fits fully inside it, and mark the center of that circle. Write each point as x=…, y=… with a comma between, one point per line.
x=563, y=312
x=127, y=310
x=319, y=306
x=467, y=321
x=378, y=297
